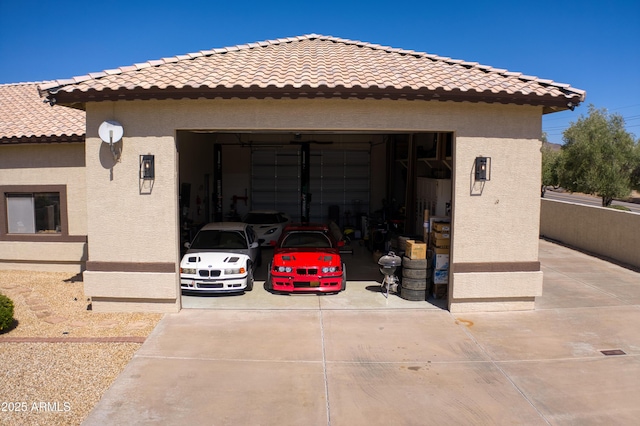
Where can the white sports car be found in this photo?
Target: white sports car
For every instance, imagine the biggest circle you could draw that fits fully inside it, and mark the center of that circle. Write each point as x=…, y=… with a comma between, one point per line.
x=268, y=225
x=221, y=259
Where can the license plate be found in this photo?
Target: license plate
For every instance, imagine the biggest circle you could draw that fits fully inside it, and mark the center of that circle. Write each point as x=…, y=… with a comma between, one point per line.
x=314, y=284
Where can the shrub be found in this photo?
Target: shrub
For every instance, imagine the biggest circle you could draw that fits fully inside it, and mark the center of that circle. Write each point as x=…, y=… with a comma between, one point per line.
x=6, y=312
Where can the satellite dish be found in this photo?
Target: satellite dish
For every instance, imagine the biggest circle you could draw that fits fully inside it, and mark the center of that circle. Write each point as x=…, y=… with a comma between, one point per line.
x=110, y=131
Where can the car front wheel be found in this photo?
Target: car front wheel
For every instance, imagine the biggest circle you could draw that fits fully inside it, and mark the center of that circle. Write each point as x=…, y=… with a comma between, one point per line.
x=249, y=277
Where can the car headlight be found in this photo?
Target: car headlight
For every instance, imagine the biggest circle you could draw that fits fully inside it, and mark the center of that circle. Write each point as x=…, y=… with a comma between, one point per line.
x=233, y=271
x=284, y=269
x=188, y=271
x=329, y=269
x=271, y=231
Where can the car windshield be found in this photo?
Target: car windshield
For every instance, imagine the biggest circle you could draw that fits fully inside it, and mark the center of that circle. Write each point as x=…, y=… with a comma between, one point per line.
x=215, y=239
x=262, y=218
x=306, y=239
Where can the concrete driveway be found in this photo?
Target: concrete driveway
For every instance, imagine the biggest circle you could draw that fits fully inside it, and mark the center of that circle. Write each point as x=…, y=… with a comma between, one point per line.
x=359, y=359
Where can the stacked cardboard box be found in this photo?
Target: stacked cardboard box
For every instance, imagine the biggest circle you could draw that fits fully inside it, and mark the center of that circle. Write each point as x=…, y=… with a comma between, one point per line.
x=416, y=249
x=440, y=245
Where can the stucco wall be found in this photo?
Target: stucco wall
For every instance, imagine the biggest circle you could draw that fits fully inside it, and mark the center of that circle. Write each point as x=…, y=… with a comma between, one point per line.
x=602, y=231
x=126, y=227
x=496, y=225
x=47, y=164
x=132, y=224
x=497, y=220
x=160, y=118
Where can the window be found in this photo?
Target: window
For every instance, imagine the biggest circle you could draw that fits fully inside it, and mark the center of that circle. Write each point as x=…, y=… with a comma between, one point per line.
x=33, y=213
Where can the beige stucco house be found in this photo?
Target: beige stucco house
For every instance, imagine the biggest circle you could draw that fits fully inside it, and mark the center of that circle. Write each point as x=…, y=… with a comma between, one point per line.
x=226, y=129
x=42, y=159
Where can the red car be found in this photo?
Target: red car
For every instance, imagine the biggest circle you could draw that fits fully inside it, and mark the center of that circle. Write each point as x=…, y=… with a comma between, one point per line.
x=306, y=259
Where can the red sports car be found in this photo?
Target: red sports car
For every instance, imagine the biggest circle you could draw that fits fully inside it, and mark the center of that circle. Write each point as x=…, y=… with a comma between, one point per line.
x=306, y=259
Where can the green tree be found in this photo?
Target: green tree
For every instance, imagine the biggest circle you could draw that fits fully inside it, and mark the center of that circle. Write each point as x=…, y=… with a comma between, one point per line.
x=635, y=174
x=551, y=162
x=599, y=156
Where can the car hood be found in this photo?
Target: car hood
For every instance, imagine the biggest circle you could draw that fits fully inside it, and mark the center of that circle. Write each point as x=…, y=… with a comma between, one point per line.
x=209, y=259
x=316, y=257
x=264, y=228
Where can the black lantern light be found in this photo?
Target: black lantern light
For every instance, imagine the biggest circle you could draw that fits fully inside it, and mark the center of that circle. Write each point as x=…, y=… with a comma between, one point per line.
x=147, y=168
x=483, y=169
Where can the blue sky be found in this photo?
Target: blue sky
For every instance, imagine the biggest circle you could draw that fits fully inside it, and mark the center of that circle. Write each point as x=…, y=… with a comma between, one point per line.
x=591, y=45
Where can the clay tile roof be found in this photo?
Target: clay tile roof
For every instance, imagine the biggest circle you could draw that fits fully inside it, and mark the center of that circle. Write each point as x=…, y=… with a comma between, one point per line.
x=315, y=66
x=26, y=118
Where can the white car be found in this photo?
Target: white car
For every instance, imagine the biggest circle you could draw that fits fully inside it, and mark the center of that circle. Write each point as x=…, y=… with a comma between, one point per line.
x=268, y=225
x=221, y=259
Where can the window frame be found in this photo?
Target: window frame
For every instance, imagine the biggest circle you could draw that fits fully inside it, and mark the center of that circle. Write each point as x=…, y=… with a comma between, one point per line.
x=62, y=236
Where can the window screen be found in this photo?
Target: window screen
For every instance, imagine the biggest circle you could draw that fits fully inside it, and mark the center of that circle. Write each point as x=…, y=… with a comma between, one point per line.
x=33, y=213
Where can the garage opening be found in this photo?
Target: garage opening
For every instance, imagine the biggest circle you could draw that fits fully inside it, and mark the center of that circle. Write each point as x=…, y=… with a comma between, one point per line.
x=376, y=187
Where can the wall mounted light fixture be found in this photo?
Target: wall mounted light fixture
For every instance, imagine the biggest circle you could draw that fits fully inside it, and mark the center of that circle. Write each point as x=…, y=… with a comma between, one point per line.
x=147, y=167
x=483, y=169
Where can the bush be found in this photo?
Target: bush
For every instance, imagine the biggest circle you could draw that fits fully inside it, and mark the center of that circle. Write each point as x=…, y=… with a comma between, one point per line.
x=6, y=312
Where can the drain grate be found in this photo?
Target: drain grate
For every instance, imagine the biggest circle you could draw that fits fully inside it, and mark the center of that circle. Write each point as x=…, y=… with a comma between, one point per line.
x=613, y=352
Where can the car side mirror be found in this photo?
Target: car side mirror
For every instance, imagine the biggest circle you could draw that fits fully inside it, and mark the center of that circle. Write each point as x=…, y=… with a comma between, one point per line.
x=254, y=244
x=340, y=243
x=187, y=245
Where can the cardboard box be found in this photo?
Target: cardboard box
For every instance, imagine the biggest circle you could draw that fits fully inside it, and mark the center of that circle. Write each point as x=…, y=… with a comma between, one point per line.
x=416, y=250
x=442, y=221
x=440, y=276
x=441, y=236
x=440, y=243
x=441, y=227
x=441, y=261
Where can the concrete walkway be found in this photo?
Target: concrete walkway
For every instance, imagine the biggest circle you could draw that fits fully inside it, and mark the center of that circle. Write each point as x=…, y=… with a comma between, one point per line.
x=359, y=359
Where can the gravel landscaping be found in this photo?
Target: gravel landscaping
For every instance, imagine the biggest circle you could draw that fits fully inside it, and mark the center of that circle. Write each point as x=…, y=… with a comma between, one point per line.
x=60, y=357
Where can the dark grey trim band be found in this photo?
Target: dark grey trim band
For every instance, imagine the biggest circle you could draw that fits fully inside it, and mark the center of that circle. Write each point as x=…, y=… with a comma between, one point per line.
x=471, y=267
x=44, y=238
x=160, y=267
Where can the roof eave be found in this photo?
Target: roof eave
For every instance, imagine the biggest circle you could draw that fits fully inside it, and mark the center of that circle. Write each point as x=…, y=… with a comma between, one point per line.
x=40, y=140
x=77, y=99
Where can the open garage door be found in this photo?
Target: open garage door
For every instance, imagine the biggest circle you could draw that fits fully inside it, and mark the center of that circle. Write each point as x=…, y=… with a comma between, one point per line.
x=339, y=183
